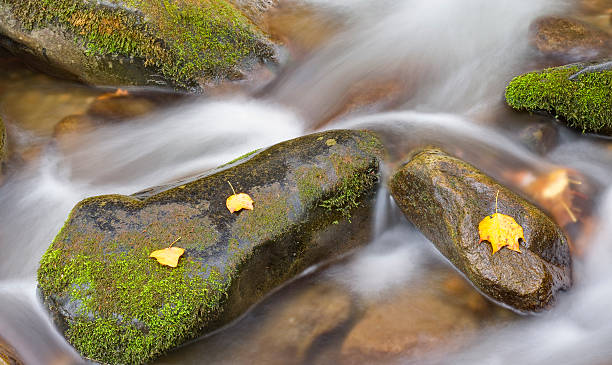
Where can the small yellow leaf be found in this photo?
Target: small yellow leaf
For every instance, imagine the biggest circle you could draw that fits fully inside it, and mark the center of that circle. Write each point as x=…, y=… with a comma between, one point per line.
x=239, y=201
x=330, y=142
x=500, y=230
x=168, y=256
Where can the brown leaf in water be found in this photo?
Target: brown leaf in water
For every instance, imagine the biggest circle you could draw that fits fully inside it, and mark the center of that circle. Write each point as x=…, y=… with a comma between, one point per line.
x=117, y=93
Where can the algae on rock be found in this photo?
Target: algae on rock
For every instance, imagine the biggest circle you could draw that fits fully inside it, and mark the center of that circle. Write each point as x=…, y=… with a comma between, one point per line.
x=178, y=42
x=115, y=304
x=579, y=94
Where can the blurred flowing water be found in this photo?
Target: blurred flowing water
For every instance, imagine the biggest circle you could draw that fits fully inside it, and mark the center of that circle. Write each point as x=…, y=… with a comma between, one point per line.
x=446, y=63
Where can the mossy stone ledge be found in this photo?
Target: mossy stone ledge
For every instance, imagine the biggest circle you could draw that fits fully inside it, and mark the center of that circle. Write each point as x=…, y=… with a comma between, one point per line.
x=116, y=305
x=177, y=43
x=578, y=94
x=446, y=198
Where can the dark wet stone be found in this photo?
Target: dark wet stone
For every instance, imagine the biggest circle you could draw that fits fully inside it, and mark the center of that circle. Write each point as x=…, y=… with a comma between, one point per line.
x=115, y=304
x=446, y=199
x=569, y=39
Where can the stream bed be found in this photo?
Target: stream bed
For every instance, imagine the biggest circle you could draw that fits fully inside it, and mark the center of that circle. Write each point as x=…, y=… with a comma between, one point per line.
x=417, y=72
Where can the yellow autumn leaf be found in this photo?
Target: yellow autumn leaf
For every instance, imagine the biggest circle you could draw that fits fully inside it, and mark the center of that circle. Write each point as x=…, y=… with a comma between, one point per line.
x=168, y=256
x=238, y=201
x=500, y=230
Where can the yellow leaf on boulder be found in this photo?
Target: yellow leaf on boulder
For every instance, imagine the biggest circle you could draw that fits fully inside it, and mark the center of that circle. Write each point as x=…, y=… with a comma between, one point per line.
x=238, y=201
x=168, y=256
x=500, y=230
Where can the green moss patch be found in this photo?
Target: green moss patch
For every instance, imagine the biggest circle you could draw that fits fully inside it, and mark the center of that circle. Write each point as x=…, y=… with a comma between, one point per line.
x=585, y=102
x=184, y=40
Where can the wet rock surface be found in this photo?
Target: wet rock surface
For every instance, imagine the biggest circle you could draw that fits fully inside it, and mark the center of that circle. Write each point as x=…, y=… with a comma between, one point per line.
x=579, y=94
x=569, y=39
x=185, y=44
x=115, y=304
x=446, y=198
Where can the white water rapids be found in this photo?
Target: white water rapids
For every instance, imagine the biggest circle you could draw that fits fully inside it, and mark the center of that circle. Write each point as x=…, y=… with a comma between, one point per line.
x=456, y=57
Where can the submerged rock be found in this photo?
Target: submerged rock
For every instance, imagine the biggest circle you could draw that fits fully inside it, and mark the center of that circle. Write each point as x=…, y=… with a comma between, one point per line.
x=568, y=38
x=446, y=199
x=579, y=94
x=127, y=42
x=115, y=304
x=419, y=319
x=297, y=324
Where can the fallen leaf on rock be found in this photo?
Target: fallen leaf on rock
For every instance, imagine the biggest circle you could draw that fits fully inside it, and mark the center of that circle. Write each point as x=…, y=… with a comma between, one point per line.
x=168, y=256
x=500, y=230
x=238, y=201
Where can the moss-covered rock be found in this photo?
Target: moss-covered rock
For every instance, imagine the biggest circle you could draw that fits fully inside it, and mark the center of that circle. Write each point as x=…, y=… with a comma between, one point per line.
x=116, y=305
x=578, y=94
x=446, y=199
x=135, y=42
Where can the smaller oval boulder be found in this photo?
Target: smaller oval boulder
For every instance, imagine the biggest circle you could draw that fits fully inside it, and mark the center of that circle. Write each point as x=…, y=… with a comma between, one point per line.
x=446, y=198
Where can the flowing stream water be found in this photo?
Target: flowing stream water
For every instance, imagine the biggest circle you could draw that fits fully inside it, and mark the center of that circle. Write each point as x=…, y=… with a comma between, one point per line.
x=446, y=64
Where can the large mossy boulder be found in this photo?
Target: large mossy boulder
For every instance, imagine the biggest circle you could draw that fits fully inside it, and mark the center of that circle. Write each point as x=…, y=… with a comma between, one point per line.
x=115, y=304
x=446, y=198
x=135, y=42
x=579, y=94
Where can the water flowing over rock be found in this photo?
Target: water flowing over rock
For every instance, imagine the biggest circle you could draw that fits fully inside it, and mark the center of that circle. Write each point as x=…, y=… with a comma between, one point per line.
x=115, y=304
x=578, y=94
x=127, y=42
x=569, y=39
x=446, y=199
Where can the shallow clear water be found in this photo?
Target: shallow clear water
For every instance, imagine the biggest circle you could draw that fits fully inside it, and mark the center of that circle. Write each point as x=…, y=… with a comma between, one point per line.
x=442, y=66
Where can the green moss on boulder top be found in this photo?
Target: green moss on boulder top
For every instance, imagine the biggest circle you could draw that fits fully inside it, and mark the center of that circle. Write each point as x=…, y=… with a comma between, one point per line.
x=180, y=42
x=114, y=304
x=578, y=94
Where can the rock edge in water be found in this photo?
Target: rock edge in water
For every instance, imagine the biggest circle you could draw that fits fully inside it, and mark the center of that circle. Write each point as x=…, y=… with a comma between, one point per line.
x=580, y=94
x=114, y=304
x=446, y=198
